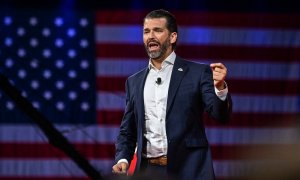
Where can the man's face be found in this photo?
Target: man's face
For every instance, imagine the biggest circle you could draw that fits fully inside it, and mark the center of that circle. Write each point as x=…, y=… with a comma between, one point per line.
x=157, y=38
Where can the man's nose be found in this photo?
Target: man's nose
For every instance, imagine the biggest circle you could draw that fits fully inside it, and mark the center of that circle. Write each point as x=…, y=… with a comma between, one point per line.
x=151, y=35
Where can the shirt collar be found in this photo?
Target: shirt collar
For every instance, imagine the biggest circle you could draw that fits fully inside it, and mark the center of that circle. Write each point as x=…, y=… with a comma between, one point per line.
x=170, y=60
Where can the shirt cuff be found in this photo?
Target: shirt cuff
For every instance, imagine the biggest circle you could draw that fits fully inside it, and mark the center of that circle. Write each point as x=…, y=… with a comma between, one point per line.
x=222, y=94
x=123, y=160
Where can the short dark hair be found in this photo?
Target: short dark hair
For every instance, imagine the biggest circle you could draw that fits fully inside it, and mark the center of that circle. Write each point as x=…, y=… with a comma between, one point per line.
x=171, y=20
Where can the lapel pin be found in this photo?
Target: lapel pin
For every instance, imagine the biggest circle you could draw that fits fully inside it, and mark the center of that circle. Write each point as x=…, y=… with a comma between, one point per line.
x=180, y=69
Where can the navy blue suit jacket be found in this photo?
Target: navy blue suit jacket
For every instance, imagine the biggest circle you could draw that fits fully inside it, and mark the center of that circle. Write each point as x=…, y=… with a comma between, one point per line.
x=191, y=92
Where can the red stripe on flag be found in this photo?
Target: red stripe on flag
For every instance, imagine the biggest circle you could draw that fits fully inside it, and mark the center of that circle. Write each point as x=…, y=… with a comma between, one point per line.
x=260, y=120
x=46, y=177
x=111, y=83
x=264, y=87
x=258, y=20
x=219, y=152
x=250, y=152
x=44, y=150
x=114, y=117
x=111, y=117
x=240, y=86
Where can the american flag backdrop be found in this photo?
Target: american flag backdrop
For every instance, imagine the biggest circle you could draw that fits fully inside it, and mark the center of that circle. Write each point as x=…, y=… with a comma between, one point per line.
x=73, y=66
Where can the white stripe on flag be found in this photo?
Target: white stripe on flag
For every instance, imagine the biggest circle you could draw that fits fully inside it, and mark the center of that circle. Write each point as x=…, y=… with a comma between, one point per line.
x=110, y=101
x=237, y=69
x=263, y=71
x=242, y=103
x=265, y=104
x=216, y=136
x=197, y=35
x=75, y=134
x=233, y=168
x=119, y=67
x=47, y=167
x=248, y=136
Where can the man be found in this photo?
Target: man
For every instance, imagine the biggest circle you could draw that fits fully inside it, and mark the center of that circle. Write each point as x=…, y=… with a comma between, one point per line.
x=164, y=107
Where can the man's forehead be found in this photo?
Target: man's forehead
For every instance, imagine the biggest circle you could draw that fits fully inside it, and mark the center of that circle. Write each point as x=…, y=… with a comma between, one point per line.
x=157, y=22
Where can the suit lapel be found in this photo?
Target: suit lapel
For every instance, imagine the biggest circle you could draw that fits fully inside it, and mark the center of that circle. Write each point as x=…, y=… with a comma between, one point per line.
x=179, y=70
x=140, y=112
x=140, y=93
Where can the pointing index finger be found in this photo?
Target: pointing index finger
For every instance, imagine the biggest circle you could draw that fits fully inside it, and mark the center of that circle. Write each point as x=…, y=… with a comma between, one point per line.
x=213, y=65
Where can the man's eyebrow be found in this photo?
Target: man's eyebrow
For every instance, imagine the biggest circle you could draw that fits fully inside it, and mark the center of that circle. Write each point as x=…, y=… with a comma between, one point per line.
x=155, y=28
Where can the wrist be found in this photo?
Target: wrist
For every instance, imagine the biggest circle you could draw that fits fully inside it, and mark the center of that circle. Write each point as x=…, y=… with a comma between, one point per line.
x=221, y=87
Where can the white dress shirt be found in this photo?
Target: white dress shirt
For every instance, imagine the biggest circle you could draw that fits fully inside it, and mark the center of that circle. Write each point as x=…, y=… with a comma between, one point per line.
x=155, y=102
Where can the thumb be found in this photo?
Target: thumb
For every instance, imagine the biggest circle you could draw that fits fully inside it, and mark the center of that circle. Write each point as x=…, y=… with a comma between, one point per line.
x=124, y=167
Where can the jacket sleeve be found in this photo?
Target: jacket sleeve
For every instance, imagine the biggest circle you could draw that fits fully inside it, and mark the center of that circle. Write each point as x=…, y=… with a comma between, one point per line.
x=126, y=140
x=214, y=106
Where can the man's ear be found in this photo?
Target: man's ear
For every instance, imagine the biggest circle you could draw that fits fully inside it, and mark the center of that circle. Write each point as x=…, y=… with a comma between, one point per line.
x=173, y=37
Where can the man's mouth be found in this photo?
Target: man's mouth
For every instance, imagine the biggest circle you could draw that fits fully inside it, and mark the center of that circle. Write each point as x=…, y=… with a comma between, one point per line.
x=153, y=46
